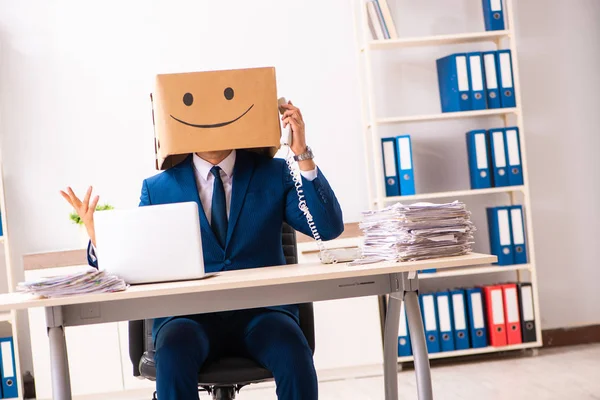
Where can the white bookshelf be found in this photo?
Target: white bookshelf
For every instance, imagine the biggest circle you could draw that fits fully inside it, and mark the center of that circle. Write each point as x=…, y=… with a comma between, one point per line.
x=449, y=115
x=438, y=40
x=5, y=317
x=472, y=352
x=455, y=193
x=486, y=269
x=372, y=136
x=11, y=317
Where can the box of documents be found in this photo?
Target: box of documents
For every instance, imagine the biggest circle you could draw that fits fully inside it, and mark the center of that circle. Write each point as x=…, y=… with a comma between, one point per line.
x=406, y=176
x=493, y=15
x=459, y=319
x=494, y=306
x=526, y=312
x=429, y=315
x=398, y=166
x=8, y=369
x=453, y=82
x=494, y=157
x=477, y=326
x=497, y=148
x=390, y=166
x=513, y=152
x=507, y=234
x=404, y=344
x=505, y=71
x=476, y=81
x=491, y=79
x=510, y=313
x=444, y=314
x=462, y=318
x=479, y=163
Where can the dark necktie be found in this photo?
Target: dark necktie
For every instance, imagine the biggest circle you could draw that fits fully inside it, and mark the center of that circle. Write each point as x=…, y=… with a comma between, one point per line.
x=218, y=214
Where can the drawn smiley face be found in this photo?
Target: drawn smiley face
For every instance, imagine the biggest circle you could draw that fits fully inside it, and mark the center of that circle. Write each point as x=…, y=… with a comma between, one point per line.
x=214, y=110
x=188, y=100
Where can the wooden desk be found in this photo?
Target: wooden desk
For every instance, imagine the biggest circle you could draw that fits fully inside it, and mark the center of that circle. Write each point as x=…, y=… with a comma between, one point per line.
x=258, y=287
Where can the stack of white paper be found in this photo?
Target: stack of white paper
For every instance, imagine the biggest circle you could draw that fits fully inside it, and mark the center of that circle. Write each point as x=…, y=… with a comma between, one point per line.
x=417, y=232
x=89, y=281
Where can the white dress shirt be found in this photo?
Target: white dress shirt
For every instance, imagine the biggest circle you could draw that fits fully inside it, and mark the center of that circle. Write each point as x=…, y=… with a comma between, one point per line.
x=205, y=180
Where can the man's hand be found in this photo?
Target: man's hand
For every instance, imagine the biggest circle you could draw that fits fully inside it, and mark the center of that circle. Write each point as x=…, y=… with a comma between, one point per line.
x=293, y=117
x=84, y=209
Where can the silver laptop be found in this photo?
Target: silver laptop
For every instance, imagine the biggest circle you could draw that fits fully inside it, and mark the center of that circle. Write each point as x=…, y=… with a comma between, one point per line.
x=150, y=244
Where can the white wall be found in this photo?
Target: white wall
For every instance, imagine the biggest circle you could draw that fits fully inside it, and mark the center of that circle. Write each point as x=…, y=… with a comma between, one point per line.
x=75, y=80
x=74, y=109
x=559, y=64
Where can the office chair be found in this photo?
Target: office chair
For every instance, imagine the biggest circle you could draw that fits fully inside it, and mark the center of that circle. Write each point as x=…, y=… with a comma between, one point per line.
x=223, y=378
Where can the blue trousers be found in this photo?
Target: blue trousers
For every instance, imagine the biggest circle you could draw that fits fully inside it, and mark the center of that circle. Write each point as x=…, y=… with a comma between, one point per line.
x=271, y=338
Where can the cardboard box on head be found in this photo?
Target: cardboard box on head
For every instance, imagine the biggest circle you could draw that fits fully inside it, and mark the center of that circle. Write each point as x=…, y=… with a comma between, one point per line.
x=215, y=110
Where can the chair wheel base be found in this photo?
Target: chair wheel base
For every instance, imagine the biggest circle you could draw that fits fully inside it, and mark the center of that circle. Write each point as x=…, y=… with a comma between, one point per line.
x=218, y=393
x=223, y=393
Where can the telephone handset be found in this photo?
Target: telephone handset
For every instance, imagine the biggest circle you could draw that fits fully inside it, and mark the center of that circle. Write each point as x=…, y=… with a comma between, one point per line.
x=326, y=256
x=281, y=101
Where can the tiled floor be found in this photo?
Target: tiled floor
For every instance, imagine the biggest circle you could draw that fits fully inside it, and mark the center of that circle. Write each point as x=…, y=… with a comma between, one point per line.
x=571, y=373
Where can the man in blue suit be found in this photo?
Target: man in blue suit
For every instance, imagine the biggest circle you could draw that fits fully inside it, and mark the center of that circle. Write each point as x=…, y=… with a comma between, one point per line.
x=243, y=198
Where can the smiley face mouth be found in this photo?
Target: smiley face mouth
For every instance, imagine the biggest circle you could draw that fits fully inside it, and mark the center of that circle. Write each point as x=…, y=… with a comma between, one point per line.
x=218, y=125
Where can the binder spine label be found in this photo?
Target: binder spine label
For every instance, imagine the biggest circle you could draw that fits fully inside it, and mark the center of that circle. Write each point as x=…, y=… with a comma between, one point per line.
x=462, y=75
x=527, y=302
x=458, y=308
x=444, y=316
x=477, y=311
x=476, y=73
x=517, y=223
x=505, y=70
x=497, y=309
x=503, y=227
x=513, y=147
x=7, y=360
x=512, y=308
x=499, y=155
x=404, y=148
x=389, y=159
x=481, y=151
x=490, y=71
x=429, y=311
x=402, y=327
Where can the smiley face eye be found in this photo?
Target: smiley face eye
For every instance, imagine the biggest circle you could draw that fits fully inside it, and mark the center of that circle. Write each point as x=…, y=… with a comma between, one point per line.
x=228, y=93
x=188, y=99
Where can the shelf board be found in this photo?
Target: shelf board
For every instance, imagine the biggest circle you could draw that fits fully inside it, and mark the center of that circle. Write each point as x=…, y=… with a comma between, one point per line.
x=482, y=350
x=489, y=269
x=488, y=36
x=447, y=115
x=455, y=193
x=6, y=316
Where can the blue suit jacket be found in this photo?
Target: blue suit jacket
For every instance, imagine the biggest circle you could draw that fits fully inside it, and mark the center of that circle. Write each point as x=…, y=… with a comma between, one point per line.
x=263, y=196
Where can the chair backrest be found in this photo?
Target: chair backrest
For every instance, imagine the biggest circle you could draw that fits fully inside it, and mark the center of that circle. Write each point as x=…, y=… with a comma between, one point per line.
x=140, y=332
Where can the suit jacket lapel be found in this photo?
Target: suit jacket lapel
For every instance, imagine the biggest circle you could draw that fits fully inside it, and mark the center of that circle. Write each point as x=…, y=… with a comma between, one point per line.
x=242, y=172
x=186, y=179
